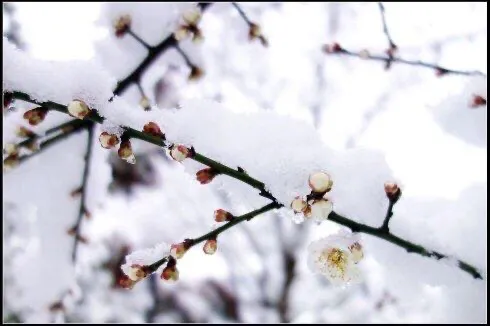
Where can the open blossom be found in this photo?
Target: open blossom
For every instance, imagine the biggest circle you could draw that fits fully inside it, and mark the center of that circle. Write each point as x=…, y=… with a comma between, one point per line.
x=336, y=257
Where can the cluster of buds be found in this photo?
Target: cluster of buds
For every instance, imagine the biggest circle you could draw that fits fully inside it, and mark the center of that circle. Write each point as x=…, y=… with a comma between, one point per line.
x=125, y=152
x=316, y=205
x=36, y=116
x=254, y=32
x=122, y=25
x=79, y=109
x=477, y=101
x=393, y=192
x=210, y=246
x=189, y=27
x=206, y=175
x=170, y=272
x=337, y=257
x=108, y=140
x=153, y=129
x=135, y=274
x=195, y=74
x=180, y=152
x=220, y=215
x=332, y=48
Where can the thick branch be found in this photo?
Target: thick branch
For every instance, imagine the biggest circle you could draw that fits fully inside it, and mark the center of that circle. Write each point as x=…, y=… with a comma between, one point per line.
x=242, y=176
x=83, y=208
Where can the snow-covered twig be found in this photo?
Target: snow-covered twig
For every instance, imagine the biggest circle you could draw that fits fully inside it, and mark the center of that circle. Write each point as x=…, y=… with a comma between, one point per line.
x=242, y=176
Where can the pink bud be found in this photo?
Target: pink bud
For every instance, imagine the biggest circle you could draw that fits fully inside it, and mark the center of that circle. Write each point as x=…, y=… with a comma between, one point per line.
x=125, y=152
x=35, y=116
x=210, y=246
x=153, y=129
x=179, y=152
x=206, y=175
x=108, y=140
x=220, y=215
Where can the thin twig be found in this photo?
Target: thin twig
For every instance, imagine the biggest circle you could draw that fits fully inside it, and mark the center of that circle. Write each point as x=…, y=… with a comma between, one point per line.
x=385, y=26
x=139, y=39
x=239, y=175
x=66, y=127
x=242, y=13
x=53, y=140
x=184, y=56
x=439, y=70
x=83, y=208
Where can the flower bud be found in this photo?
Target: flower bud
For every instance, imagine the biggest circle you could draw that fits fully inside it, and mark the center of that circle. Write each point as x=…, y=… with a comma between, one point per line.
x=332, y=48
x=179, y=152
x=357, y=252
x=178, y=250
x=364, y=54
x=10, y=162
x=220, y=215
x=206, y=175
x=78, y=109
x=35, y=116
x=10, y=149
x=307, y=212
x=125, y=152
x=145, y=103
x=477, y=101
x=153, y=129
x=108, y=140
x=320, y=182
x=254, y=31
x=298, y=204
x=181, y=33
x=137, y=272
x=33, y=145
x=210, y=246
x=196, y=73
x=170, y=273
x=24, y=132
x=392, y=191
x=126, y=282
x=122, y=25
x=192, y=17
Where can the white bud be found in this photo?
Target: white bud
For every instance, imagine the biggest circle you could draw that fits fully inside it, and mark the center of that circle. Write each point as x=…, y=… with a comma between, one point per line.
x=320, y=182
x=179, y=153
x=78, y=109
x=192, y=16
x=298, y=204
x=357, y=252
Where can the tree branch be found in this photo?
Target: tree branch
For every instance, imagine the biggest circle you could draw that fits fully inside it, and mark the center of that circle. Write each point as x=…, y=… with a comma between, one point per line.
x=385, y=26
x=83, y=208
x=240, y=175
x=338, y=50
x=153, y=53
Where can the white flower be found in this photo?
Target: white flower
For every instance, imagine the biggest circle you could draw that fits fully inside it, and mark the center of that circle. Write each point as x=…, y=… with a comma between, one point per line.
x=320, y=182
x=336, y=257
x=321, y=209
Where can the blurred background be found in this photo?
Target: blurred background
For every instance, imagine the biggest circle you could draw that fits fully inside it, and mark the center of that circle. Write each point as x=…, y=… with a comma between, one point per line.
x=423, y=124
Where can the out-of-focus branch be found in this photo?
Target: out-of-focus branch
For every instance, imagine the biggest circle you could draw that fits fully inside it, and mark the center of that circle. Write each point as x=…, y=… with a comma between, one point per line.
x=153, y=53
x=336, y=49
x=392, y=46
x=253, y=29
x=83, y=211
x=242, y=176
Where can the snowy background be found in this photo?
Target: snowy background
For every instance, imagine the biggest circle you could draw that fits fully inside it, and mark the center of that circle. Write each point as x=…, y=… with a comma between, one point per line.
x=285, y=110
